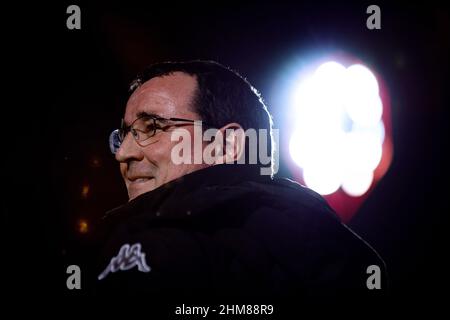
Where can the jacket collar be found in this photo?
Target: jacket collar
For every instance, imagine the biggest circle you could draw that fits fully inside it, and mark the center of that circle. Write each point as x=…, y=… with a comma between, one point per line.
x=218, y=175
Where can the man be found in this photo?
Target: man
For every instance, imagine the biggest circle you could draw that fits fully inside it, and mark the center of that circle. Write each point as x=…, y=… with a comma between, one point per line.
x=218, y=228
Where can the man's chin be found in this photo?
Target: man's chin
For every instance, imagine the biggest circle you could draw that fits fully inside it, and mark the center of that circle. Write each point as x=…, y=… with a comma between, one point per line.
x=140, y=186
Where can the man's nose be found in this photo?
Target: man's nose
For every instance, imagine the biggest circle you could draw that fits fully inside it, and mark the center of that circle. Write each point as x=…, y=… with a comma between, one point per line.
x=129, y=150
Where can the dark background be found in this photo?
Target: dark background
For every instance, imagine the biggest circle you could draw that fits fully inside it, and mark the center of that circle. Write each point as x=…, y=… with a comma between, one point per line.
x=68, y=88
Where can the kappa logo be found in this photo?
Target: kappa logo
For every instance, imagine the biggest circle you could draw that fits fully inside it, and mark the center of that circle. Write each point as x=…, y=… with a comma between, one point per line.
x=128, y=257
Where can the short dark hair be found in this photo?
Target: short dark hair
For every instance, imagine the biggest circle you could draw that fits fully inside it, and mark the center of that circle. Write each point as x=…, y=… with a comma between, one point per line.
x=223, y=96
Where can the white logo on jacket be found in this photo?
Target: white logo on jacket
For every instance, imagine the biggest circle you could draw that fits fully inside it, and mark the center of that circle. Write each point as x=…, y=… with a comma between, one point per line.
x=128, y=257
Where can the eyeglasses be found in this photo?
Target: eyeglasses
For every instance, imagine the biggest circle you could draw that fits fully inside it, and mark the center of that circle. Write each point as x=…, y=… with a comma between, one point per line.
x=142, y=129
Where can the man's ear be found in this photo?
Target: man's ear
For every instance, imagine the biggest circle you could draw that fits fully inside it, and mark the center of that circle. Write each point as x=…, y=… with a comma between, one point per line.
x=233, y=146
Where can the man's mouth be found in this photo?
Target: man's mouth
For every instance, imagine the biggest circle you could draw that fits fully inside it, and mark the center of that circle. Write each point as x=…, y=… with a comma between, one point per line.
x=137, y=185
x=140, y=179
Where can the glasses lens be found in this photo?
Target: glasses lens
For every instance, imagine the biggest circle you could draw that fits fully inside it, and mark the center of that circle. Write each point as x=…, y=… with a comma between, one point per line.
x=144, y=128
x=115, y=141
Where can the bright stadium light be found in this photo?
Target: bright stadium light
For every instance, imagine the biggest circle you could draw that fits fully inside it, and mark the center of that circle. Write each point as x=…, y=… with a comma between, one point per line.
x=324, y=180
x=362, y=101
x=357, y=183
x=339, y=129
x=361, y=151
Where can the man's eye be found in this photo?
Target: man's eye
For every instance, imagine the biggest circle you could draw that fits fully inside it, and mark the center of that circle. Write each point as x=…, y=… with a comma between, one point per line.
x=147, y=126
x=150, y=127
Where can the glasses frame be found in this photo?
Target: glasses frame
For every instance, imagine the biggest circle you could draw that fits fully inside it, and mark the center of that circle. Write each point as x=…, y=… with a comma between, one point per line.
x=117, y=137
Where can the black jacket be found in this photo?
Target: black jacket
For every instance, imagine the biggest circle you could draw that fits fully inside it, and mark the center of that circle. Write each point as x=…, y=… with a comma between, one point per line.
x=228, y=231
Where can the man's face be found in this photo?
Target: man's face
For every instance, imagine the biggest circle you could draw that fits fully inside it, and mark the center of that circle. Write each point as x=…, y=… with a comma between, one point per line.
x=147, y=167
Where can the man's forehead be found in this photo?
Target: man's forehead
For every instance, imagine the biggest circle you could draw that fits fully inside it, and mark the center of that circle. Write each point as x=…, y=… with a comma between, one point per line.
x=164, y=96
